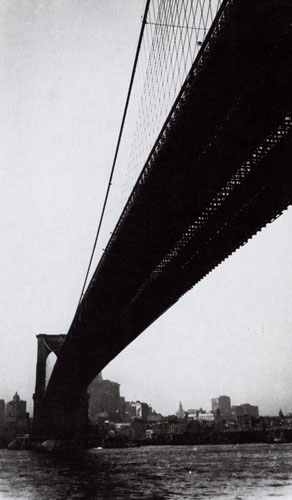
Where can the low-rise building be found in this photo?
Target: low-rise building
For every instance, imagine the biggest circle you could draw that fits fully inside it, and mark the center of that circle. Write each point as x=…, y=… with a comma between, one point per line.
x=177, y=428
x=245, y=422
x=208, y=417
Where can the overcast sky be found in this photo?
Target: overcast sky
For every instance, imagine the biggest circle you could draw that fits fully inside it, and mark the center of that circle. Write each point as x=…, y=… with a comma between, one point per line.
x=65, y=69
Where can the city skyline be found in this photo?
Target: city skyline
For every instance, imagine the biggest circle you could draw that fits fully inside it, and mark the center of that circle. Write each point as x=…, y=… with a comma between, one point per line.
x=67, y=67
x=104, y=393
x=97, y=395
x=214, y=401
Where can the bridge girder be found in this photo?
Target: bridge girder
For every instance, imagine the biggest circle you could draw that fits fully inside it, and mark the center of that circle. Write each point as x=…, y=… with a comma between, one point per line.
x=219, y=171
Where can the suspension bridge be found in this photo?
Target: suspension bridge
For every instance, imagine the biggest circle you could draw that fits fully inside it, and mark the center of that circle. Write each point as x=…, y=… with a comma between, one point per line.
x=212, y=152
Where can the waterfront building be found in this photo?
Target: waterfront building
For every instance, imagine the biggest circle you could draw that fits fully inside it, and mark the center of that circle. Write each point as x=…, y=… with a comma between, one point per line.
x=149, y=433
x=223, y=404
x=105, y=402
x=207, y=417
x=181, y=413
x=193, y=413
x=122, y=428
x=245, y=422
x=177, y=428
x=194, y=426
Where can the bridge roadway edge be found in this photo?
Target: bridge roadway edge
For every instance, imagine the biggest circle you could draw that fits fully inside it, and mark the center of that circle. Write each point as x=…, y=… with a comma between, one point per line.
x=105, y=323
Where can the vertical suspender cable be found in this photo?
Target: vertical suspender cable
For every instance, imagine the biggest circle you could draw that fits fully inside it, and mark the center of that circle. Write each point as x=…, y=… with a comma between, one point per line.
x=144, y=21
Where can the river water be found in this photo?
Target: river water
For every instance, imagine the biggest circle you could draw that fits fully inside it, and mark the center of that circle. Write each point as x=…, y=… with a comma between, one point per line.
x=258, y=471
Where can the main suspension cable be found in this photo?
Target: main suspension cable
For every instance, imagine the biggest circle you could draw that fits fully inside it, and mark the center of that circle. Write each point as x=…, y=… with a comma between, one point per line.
x=144, y=21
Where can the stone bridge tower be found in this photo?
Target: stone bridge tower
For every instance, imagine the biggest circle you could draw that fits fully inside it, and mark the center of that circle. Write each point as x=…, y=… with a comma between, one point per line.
x=46, y=345
x=57, y=419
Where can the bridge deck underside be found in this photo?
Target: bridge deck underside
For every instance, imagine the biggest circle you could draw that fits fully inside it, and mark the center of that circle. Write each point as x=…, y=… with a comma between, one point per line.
x=220, y=170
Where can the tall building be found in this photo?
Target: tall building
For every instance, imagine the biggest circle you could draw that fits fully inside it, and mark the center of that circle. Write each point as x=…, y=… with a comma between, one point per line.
x=16, y=415
x=245, y=409
x=130, y=412
x=223, y=404
x=136, y=410
x=105, y=402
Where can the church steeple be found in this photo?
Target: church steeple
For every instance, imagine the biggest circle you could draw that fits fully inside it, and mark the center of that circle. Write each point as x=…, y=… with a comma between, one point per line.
x=180, y=412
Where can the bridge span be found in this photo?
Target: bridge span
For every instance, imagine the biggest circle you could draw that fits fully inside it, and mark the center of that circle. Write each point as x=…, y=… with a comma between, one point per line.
x=219, y=171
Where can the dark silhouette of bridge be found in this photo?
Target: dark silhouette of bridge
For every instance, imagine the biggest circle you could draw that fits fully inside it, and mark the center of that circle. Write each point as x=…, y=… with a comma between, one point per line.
x=219, y=171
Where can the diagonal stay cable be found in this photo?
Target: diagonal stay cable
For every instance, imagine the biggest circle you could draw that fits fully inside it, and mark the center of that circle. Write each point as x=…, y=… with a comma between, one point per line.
x=118, y=145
